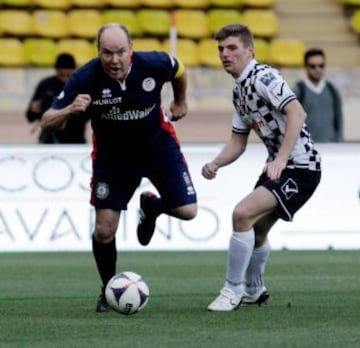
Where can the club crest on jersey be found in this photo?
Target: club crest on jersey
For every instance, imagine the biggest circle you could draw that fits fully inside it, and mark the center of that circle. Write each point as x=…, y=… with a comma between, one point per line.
x=267, y=78
x=289, y=188
x=148, y=84
x=102, y=190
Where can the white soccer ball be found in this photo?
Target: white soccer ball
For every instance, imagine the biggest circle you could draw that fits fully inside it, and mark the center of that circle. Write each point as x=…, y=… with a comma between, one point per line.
x=127, y=292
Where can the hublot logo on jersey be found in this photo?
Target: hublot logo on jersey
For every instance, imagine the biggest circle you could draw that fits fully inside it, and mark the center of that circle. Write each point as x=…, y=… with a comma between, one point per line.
x=107, y=101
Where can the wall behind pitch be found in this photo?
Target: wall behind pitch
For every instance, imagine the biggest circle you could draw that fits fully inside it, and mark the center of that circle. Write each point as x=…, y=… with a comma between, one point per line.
x=44, y=195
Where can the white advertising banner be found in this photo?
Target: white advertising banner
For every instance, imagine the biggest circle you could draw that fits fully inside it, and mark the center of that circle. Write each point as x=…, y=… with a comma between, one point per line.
x=44, y=202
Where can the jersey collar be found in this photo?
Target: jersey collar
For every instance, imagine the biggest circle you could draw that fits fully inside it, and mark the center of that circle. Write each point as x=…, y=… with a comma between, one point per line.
x=246, y=71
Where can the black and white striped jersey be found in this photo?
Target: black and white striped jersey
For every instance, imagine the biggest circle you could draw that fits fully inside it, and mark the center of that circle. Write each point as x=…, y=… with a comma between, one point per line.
x=259, y=96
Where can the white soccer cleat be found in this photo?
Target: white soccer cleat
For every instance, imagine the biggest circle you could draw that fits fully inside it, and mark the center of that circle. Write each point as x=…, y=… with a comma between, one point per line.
x=226, y=301
x=258, y=298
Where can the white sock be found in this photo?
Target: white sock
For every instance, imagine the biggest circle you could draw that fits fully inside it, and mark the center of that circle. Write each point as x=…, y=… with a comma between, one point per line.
x=256, y=269
x=239, y=254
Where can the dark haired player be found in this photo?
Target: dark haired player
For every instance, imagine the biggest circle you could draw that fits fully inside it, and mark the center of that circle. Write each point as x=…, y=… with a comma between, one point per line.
x=263, y=102
x=132, y=139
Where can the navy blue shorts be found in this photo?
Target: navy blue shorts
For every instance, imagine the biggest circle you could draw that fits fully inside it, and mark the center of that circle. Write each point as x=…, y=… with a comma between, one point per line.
x=113, y=186
x=292, y=190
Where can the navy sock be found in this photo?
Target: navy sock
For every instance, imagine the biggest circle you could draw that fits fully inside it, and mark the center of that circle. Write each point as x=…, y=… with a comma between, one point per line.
x=105, y=257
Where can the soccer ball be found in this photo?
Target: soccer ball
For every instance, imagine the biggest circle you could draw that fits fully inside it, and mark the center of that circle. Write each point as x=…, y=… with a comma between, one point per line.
x=127, y=292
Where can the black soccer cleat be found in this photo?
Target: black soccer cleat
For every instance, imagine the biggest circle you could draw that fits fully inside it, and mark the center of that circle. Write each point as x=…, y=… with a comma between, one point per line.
x=146, y=225
x=102, y=305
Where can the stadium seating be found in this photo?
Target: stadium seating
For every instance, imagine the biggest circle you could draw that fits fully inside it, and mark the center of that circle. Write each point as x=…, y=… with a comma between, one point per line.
x=150, y=44
x=217, y=18
x=16, y=22
x=82, y=49
x=355, y=3
x=69, y=23
x=197, y=4
x=186, y=50
x=84, y=23
x=355, y=21
x=259, y=3
x=192, y=24
x=226, y=3
x=125, y=16
x=263, y=22
x=208, y=53
x=262, y=50
x=287, y=52
x=17, y=3
x=122, y=3
x=87, y=3
x=12, y=52
x=40, y=52
x=157, y=3
x=50, y=23
x=53, y=4
x=154, y=21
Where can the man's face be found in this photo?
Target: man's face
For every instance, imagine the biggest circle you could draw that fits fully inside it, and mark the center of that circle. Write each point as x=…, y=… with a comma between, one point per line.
x=63, y=74
x=315, y=67
x=234, y=55
x=115, y=53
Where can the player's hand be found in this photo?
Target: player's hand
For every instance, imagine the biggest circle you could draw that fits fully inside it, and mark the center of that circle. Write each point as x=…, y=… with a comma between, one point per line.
x=35, y=106
x=80, y=103
x=274, y=169
x=177, y=111
x=209, y=170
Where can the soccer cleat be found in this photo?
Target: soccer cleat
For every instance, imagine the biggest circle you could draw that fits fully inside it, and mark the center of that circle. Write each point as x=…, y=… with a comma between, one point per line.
x=258, y=298
x=226, y=301
x=102, y=305
x=146, y=226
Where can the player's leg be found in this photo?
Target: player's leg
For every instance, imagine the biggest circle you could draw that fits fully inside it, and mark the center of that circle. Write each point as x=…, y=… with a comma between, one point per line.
x=255, y=206
x=177, y=197
x=111, y=192
x=104, y=250
x=292, y=191
x=256, y=290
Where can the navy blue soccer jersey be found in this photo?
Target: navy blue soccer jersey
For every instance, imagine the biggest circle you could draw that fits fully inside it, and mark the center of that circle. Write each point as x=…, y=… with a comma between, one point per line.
x=126, y=116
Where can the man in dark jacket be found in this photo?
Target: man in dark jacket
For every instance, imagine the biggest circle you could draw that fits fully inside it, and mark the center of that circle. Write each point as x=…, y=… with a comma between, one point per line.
x=45, y=92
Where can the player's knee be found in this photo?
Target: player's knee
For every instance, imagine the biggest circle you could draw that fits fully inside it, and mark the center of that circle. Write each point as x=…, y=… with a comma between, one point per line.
x=241, y=220
x=105, y=231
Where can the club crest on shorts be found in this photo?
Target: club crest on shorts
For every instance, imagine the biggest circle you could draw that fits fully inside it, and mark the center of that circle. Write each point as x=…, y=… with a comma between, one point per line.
x=289, y=188
x=102, y=190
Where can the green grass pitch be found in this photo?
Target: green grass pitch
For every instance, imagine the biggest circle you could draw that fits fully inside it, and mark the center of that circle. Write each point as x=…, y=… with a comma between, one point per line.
x=48, y=300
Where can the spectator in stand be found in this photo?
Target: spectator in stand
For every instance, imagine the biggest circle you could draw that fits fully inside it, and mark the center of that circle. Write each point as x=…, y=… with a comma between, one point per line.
x=320, y=99
x=45, y=93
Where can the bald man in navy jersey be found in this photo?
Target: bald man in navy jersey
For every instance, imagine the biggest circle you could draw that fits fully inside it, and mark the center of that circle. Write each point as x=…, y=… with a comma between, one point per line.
x=133, y=138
